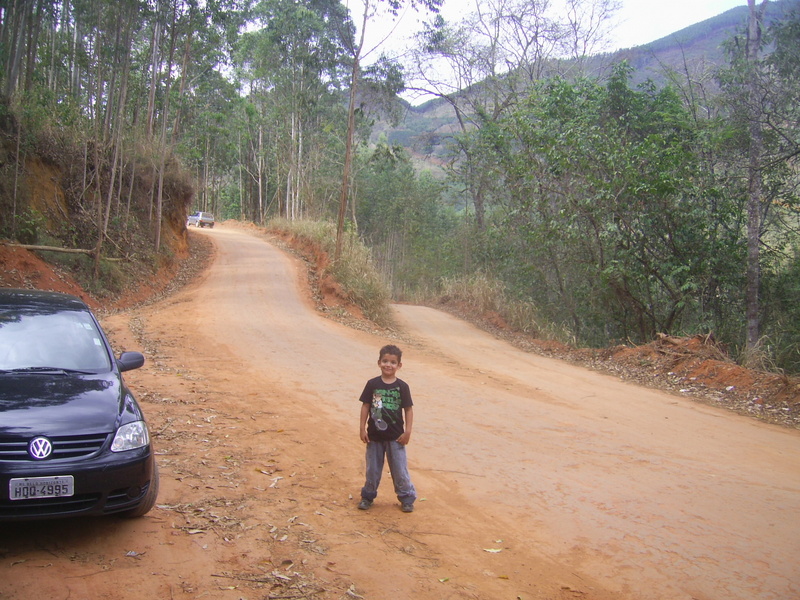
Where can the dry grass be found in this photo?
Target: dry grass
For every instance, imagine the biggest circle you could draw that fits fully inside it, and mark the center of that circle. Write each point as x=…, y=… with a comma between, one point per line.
x=484, y=295
x=354, y=271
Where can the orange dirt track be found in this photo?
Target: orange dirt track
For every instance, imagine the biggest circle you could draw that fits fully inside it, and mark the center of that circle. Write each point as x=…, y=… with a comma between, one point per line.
x=538, y=479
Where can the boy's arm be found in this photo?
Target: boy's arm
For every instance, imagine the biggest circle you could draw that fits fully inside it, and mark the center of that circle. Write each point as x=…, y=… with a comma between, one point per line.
x=409, y=418
x=362, y=422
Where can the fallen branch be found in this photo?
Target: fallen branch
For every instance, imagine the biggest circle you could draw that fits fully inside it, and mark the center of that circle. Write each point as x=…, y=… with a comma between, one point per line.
x=54, y=249
x=64, y=250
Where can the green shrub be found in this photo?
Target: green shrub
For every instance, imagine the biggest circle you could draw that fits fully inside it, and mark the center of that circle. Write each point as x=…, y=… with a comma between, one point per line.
x=29, y=224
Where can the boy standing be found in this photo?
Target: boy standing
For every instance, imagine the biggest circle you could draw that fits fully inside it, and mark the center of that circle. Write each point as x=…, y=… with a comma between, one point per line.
x=384, y=401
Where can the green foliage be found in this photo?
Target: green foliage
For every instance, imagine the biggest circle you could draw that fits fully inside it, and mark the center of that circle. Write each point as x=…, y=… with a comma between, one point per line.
x=291, y=127
x=401, y=218
x=781, y=295
x=28, y=226
x=612, y=221
x=381, y=83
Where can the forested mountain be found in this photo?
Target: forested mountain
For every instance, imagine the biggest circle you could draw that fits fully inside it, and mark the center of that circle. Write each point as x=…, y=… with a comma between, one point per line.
x=549, y=183
x=697, y=49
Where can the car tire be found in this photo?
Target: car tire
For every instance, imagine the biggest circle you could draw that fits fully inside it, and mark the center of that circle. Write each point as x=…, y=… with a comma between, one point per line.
x=149, y=500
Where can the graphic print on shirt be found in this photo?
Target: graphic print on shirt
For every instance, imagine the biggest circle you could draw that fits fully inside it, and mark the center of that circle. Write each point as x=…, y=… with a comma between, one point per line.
x=384, y=398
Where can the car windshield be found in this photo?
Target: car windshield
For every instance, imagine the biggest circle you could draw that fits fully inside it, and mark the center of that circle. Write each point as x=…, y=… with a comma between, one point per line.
x=65, y=339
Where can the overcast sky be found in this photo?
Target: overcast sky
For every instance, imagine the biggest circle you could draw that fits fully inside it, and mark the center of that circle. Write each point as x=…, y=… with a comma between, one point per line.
x=643, y=21
x=639, y=21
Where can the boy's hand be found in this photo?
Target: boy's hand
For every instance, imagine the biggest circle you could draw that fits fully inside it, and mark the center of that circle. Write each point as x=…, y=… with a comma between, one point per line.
x=404, y=438
x=362, y=422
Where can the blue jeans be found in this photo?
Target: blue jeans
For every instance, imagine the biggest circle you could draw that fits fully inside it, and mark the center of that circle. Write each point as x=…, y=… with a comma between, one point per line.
x=398, y=467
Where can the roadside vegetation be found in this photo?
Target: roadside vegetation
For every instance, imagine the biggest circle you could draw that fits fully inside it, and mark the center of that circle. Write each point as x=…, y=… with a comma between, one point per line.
x=566, y=200
x=355, y=271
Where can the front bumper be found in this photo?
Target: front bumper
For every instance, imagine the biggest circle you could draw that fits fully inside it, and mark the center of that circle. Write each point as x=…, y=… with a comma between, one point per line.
x=105, y=484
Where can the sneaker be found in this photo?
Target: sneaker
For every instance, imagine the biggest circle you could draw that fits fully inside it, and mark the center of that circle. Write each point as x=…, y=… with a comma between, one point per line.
x=364, y=504
x=407, y=508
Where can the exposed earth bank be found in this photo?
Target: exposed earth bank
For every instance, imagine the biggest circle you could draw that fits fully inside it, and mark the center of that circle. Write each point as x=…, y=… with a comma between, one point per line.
x=537, y=478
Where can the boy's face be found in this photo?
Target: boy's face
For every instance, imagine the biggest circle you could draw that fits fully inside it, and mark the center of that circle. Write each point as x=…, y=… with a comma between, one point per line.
x=389, y=365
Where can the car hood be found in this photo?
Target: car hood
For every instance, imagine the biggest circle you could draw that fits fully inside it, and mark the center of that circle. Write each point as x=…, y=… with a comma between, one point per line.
x=58, y=404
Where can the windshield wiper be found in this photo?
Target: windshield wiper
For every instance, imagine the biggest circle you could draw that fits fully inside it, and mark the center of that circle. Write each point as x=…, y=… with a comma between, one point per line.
x=61, y=370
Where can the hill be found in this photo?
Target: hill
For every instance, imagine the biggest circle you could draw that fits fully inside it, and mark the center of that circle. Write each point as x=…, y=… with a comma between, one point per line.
x=698, y=50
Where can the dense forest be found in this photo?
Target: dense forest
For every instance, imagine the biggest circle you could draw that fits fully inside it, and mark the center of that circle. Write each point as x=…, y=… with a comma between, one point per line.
x=591, y=208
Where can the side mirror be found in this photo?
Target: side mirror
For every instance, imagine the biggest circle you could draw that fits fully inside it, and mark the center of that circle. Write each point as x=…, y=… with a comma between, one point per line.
x=128, y=361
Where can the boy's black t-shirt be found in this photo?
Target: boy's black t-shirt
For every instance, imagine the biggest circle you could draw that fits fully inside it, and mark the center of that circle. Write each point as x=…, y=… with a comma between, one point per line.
x=387, y=402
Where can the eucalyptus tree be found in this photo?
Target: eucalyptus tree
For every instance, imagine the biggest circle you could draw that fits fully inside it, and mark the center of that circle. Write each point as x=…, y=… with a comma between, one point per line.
x=209, y=141
x=358, y=50
x=76, y=72
x=761, y=93
x=24, y=27
x=754, y=173
x=188, y=42
x=202, y=126
x=115, y=28
x=781, y=285
x=402, y=220
x=117, y=78
x=293, y=63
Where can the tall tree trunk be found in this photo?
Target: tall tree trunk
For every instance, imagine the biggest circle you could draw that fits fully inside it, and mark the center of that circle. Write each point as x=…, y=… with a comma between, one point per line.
x=164, y=148
x=288, y=200
x=130, y=191
x=19, y=164
x=73, y=63
x=33, y=45
x=155, y=69
x=348, y=152
x=98, y=193
x=99, y=144
x=182, y=87
x=241, y=182
x=297, y=209
x=754, y=177
x=18, y=17
x=112, y=87
x=260, y=167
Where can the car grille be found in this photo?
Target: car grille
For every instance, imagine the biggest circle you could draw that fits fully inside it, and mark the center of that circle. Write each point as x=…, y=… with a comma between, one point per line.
x=64, y=447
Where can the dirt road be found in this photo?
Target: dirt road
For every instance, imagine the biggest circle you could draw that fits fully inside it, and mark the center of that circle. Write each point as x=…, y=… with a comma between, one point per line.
x=537, y=479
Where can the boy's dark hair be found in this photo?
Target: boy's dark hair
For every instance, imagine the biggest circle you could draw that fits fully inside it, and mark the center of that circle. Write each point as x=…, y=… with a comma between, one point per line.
x=393, y=350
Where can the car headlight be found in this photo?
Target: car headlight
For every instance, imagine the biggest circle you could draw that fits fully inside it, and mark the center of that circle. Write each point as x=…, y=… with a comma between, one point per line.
x=131, y=436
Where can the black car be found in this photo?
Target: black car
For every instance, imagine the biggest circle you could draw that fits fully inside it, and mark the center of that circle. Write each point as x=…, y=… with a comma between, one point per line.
x=73, y=440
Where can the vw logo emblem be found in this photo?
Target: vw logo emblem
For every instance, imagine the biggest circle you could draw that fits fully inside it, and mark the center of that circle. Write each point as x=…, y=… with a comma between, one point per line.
x=40, y=448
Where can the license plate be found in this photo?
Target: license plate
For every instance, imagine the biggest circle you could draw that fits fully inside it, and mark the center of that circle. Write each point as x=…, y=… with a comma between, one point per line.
x=25, y=488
